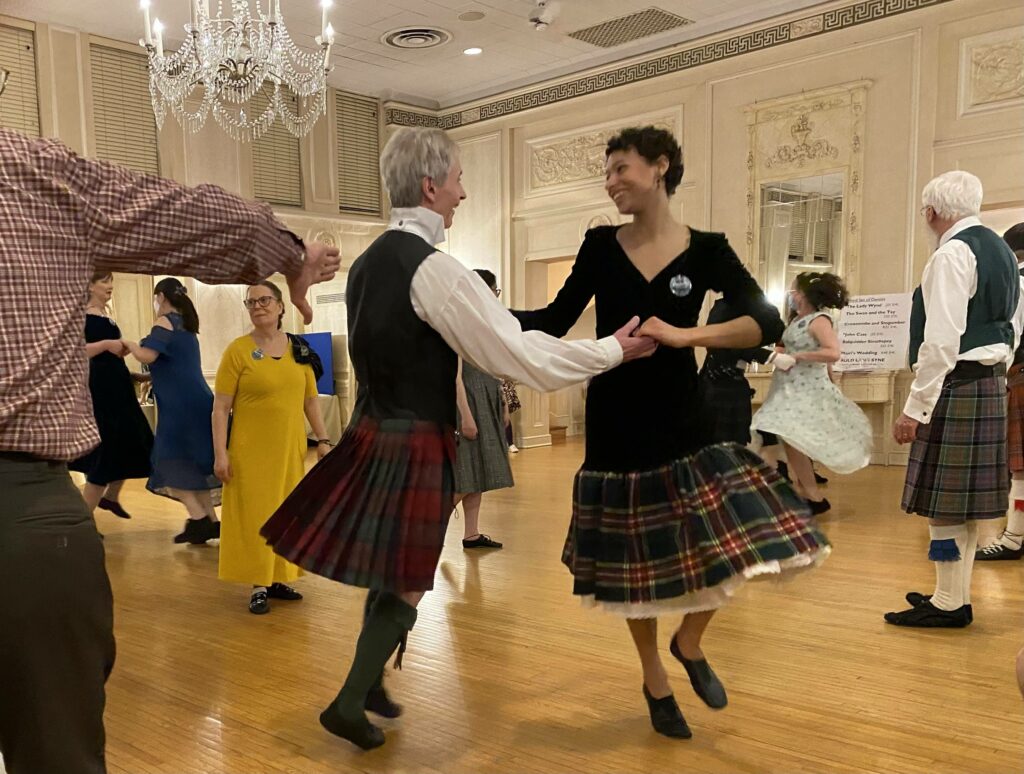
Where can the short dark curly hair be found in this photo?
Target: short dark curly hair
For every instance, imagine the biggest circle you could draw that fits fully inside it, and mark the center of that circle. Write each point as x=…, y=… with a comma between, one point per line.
x=652, y=143
x=822, y=289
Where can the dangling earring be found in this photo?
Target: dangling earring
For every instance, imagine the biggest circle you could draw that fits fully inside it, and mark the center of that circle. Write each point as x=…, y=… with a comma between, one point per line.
x=658, y=181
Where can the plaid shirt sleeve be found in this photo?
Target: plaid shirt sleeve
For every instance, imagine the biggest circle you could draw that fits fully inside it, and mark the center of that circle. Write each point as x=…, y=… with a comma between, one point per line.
x=61, y=217
x=150, y=225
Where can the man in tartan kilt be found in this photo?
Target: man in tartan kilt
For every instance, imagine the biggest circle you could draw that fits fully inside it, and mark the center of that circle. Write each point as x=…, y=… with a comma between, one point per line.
x=1008, y=544
x=964, y=325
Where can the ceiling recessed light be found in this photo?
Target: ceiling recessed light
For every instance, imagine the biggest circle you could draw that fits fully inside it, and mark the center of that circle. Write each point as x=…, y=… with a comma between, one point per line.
x=471, y=16
x=473, y=51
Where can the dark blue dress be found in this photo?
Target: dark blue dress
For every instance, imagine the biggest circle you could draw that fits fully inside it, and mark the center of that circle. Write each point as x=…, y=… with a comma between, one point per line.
x=183, y=450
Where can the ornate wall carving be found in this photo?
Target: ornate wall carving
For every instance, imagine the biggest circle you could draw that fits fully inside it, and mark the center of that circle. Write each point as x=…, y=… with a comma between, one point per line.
x=992, y=71
x=571, y=160
x=809, y=134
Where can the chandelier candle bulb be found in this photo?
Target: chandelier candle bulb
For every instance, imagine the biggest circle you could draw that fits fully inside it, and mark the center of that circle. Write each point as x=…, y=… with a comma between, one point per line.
x=324, y=5
x=144, y=5
x=158, y=28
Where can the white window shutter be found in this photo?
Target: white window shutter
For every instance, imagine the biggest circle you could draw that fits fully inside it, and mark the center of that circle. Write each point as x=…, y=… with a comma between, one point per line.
x=125, y=128
x=358, y=120
x=19, y=104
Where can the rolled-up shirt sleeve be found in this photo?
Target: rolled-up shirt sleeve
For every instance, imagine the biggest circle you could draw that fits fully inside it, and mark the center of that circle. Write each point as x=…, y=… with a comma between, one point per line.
x=946, y=289
x=458, y=304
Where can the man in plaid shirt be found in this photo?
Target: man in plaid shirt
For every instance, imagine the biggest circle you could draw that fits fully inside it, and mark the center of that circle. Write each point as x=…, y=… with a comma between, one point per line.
x=61, y=218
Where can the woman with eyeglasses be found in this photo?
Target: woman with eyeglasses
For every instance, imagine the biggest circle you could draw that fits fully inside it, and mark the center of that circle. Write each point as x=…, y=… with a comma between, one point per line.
x=481, y=459
x=183, y=450
x=125, y=437
x=266, y=392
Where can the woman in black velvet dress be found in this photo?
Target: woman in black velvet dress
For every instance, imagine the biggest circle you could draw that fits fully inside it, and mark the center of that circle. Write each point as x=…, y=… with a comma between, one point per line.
x=126, y=439
x=662, y=521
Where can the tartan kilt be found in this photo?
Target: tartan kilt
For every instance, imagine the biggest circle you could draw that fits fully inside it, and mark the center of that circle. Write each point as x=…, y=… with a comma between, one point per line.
x=685, y=536
x=1015, y=418
x=726, y=412
x=958, y=468
x=372, y=513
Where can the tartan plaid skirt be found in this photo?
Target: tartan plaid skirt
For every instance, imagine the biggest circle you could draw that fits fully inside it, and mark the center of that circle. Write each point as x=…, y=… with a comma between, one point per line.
x=1015, y=418
x=684, y=536
x=372, y=513
x=958, y=467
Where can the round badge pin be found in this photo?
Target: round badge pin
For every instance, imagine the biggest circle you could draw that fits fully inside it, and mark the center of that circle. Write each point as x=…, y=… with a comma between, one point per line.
x=257, y=354
x=680, y=285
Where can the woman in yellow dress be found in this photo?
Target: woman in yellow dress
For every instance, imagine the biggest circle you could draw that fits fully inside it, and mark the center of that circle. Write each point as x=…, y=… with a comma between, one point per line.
x=265, y=391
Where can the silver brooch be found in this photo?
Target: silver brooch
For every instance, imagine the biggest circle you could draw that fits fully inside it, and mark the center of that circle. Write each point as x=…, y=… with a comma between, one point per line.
x=257, y=354
x=680, y=285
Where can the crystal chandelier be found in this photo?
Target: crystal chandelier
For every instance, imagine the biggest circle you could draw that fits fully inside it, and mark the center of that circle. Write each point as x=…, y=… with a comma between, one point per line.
x=229, y=58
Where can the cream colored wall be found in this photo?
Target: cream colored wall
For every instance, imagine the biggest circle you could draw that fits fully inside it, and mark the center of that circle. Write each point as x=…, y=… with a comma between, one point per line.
x=209, y=156
x=925, y=112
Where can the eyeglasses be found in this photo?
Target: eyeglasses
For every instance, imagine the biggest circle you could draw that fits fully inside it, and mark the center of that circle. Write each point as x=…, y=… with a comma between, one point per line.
x=262, y=301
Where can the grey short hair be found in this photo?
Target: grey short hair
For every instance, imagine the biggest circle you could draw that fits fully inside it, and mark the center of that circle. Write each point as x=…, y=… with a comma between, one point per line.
x=412, y=154
x=953, y=195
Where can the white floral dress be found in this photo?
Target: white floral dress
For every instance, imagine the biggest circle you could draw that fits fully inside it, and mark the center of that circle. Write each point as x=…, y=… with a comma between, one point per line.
x=809, y=413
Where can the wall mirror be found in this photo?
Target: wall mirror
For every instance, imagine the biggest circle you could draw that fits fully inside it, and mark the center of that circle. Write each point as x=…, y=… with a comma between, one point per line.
x=802, y=229
x=804, y=195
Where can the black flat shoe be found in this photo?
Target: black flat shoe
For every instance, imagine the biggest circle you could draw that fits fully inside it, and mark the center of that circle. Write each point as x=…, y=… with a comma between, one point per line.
x=481, y=541
x=258, y=603
x=114, y=507
x=666, y=717
x=703, y=679
x=819, y=507
x=916, y=598
x=198, y=531
x=783, y=470
x=819, y=479
x=359, y=731
x=927, y=616
x=379, y=703
x=997, y=552
x=281, y=591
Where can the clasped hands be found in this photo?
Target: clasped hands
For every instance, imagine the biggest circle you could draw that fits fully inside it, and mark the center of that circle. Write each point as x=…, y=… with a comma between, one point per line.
x=639, y=341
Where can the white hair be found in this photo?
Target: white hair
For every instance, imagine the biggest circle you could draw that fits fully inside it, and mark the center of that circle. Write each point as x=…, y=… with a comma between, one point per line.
x=953, y=195
x=412, y=154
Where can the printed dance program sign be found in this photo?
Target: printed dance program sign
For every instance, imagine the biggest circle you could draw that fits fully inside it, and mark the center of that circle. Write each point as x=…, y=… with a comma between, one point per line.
x=874, y=333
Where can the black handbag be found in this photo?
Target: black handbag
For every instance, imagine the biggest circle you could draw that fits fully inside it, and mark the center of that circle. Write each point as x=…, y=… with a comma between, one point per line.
x=306, y=355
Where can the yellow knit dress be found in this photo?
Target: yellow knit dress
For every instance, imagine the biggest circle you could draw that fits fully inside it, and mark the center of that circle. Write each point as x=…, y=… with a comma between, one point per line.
x=266, y=449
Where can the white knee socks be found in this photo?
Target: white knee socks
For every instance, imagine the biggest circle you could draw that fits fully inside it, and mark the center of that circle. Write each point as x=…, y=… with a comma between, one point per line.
x=948, y=550
x=1014, y=532
x=968, y=560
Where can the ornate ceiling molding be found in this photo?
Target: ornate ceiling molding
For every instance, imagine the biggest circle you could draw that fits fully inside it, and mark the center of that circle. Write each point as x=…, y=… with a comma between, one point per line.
x=685, y=58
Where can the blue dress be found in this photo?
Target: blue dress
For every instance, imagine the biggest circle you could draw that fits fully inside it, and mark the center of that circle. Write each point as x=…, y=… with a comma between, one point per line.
x=183, y=449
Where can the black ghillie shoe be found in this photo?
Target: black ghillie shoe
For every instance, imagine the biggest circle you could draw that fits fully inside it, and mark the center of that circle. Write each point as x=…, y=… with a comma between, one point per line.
x=666, y=717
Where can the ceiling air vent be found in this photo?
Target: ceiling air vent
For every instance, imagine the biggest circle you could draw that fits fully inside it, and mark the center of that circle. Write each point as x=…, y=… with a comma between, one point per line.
x=626, y=29
x=416, y=37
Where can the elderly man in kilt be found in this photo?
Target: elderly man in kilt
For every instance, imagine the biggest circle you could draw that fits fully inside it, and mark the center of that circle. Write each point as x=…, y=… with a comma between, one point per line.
x=961, y=338
x=374, y=512
x=1008, y=544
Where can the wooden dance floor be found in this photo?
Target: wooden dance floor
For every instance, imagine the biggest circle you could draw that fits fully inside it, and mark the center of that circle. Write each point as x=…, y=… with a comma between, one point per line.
x=506, y=672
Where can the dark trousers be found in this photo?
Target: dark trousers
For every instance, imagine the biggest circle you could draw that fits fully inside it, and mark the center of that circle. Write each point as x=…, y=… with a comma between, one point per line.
x=56, y=623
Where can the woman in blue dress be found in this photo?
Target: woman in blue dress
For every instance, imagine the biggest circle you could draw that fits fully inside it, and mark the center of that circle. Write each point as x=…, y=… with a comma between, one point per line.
x=183, y=450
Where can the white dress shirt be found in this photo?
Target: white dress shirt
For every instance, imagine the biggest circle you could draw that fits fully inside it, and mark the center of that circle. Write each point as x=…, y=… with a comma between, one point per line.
x=949, y=283
x=457, y=303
